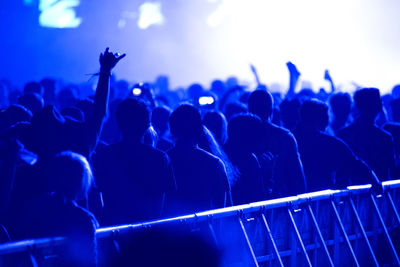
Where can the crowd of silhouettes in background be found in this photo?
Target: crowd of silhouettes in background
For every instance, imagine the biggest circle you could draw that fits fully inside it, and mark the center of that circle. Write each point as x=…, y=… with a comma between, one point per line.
x=73, y=159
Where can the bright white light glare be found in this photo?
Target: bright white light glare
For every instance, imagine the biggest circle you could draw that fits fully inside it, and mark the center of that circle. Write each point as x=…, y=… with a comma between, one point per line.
x=136, y=91
x=314, y=34
x=150, y=14
x=206, y=100
x=59, y=13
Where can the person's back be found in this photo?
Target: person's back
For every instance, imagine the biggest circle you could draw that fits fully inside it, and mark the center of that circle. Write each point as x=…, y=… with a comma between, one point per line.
x=132, y=176
x=328, y=162
x=201, y=179
x=244, y=136
x=280, y=143
x=57, y=214
x=370, y=143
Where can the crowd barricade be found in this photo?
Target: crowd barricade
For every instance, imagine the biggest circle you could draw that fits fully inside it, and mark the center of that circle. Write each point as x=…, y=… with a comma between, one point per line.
x=350, y=227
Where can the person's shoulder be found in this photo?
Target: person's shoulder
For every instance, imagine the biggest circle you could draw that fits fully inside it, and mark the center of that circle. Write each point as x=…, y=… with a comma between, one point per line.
x=280, y=133
x=384, y=134
x=201, y=153
x=83, y=217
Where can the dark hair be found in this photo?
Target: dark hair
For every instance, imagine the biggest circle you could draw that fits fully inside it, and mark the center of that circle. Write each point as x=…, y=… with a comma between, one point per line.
x=159, y=119
x=70, y=174
x=217, y=124
x=133, y=117
x=245, y=131
x=315, y=112
x=368, y=102
x=340, y=104
x=261, y=104
x=185, y=123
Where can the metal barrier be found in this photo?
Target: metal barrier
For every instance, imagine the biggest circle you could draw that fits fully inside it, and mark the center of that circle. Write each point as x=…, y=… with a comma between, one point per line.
x=350, y=227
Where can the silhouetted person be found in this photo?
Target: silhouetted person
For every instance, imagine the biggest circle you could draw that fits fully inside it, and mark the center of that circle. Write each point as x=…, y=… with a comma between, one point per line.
x=200, y=177
x=58, y=215
x=328, y=162
x=133, y=177
x=244, y=138
x=216, y=122
x=341, y=107
x=12, y=115
x=159, y=120
x=289, y=111
x=234, y=108
x=366, y=140
x=34, y=102
x=288, y=176
x=33, y=88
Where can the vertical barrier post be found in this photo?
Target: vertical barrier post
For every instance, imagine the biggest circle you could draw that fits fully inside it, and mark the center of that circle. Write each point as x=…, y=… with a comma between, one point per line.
x=297, y=234
x=248, y=244
x=271, y=239
x=319, y=234
x=343, y=231
x=385, y=231
x=363, y=231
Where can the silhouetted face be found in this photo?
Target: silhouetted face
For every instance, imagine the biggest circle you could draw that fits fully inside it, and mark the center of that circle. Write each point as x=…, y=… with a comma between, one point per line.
x=368, y=102
x=133, y=117
x=185, y=123
x=314, y=113
x=261, y=103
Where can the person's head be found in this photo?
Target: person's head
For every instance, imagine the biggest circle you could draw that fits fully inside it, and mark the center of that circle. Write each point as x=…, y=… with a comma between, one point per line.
x=341, y=105
x=245, y=131
x=33, y=101
x=233, y=108
x=261, y=104
x=216, y=122
x=70, y=175
x=12, y=115
x=33, y=88
x=368, y=102
x=185, y=123
x=133, y=118
x=159, y=119
x=73, y=113
x=314, y=114
x=395, y=106
x=289, y=111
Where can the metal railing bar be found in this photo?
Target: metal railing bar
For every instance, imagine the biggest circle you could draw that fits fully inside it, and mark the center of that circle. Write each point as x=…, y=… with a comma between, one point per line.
x=297, y=234
x=363, y=231
x=385, y=231
x=396, y=213
x=343, y=232
x=271, y=239
x=319, y=234
x=248, y=243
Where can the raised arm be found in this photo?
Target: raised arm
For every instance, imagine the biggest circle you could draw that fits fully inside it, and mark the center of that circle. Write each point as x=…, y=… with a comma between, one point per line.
x=294, y=76
x=108, y=61
x=328, y=77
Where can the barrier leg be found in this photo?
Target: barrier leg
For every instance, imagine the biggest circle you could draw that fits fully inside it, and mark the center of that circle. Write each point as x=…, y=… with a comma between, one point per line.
x=248, y=244
x=271, y=239
x=297, y=234
x=343, y=231
x=385, y=231
x=319, y=234
x=363, y=232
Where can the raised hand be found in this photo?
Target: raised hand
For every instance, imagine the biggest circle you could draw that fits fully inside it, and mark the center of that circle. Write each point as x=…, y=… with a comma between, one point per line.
x=108, y=60
x=292, y=69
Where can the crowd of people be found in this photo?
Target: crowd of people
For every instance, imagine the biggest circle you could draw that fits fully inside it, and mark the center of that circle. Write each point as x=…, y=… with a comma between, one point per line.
x=72, y=161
